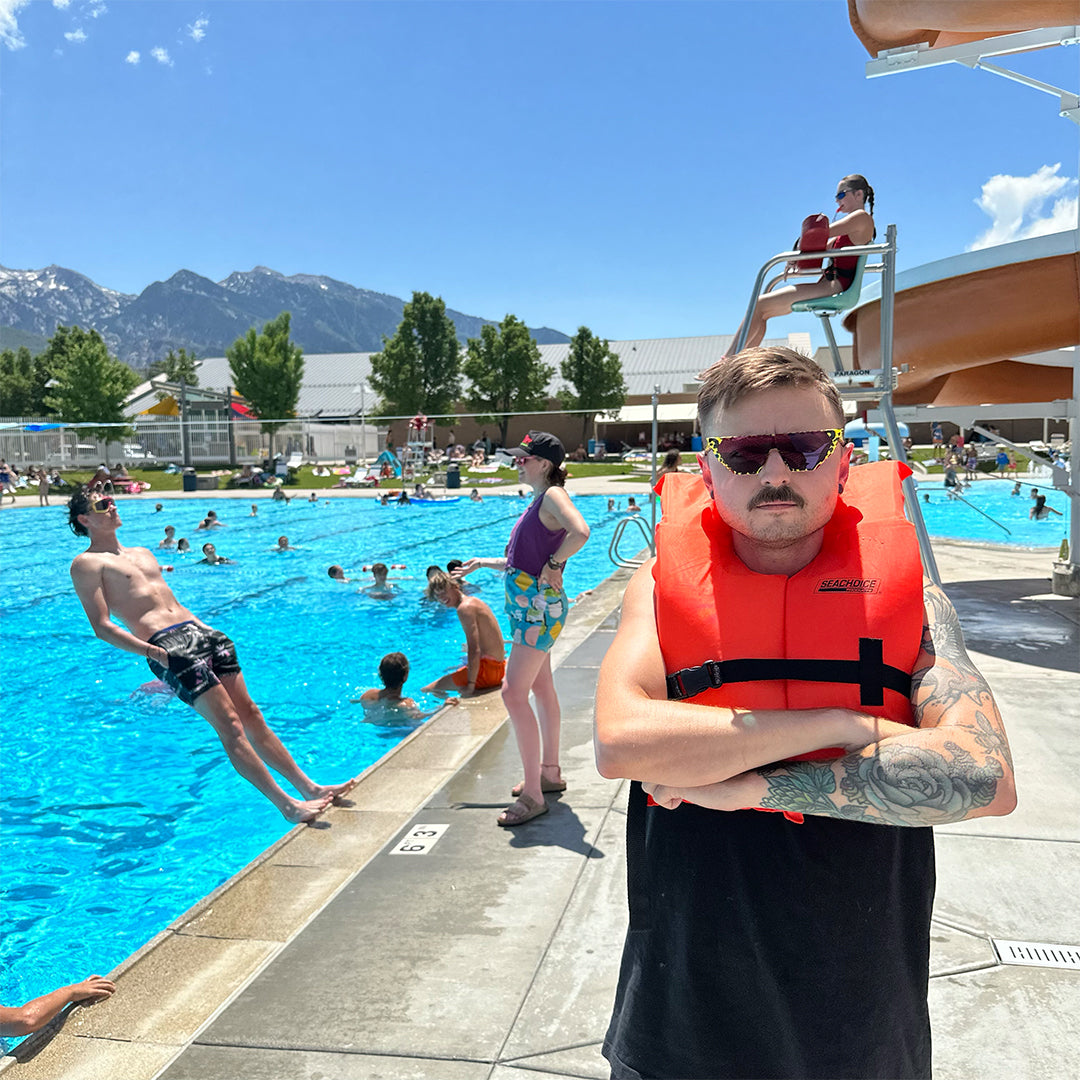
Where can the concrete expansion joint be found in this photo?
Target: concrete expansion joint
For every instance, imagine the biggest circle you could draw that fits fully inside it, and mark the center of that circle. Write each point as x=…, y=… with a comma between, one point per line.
x=963, y=928
x=962, y=969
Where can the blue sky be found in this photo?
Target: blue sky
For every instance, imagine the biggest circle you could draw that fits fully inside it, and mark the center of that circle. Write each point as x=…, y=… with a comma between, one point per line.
x=627, y=166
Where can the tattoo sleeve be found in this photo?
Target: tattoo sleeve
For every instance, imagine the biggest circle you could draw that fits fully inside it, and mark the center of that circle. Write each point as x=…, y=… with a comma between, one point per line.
x=946, y=770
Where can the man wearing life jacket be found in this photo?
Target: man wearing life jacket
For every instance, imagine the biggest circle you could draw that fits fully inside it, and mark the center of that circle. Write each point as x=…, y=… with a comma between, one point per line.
x=782, y=654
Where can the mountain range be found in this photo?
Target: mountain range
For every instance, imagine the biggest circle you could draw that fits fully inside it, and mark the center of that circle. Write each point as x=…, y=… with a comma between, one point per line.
x=205, y=317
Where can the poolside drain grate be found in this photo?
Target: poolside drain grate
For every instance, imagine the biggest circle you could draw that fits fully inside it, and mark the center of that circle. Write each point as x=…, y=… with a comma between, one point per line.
x=1038, y=954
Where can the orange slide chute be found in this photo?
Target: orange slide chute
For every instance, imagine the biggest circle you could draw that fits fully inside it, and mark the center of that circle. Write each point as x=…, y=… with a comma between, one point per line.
x=964, y=336
x=888, y=24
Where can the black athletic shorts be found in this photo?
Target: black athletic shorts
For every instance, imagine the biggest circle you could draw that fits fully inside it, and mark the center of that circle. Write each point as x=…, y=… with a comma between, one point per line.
x=198, y=657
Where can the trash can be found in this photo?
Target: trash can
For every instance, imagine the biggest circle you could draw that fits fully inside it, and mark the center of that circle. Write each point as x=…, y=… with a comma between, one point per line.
x=453, y=476
x=592, y=447
x=350, y=455
x=190, y=480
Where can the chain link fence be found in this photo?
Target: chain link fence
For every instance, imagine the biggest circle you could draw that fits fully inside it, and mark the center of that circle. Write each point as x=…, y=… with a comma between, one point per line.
x=212, y=441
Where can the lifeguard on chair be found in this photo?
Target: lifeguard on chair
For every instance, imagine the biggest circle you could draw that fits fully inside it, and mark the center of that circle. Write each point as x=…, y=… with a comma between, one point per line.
x=838, y=287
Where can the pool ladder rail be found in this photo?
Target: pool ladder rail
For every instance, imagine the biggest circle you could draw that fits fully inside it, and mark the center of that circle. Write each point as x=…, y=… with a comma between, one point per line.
x=617, y=536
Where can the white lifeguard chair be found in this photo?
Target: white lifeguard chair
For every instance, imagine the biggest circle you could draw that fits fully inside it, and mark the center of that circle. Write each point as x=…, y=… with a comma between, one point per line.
x=418, y=443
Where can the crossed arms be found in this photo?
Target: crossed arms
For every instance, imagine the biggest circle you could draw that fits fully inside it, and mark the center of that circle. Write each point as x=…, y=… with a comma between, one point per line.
x=954, y=765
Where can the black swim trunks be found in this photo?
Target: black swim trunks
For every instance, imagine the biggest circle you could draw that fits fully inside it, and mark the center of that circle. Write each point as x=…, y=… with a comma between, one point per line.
x=198, y=657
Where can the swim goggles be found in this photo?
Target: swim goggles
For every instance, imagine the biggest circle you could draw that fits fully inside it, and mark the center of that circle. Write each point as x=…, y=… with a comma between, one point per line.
x=103, y=506
x=746, y=455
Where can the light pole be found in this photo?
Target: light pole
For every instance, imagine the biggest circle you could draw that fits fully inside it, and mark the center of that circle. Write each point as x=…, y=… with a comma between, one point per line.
x=361, y=389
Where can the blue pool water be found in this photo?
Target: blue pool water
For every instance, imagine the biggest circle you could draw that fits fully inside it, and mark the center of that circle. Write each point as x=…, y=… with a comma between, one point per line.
x=119, y=808
x=962, y=520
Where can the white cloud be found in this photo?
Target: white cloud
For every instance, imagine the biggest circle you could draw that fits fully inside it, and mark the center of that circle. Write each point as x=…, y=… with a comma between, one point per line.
x=77, y=36
x=61, y=4
x=1016, y=206
x=132, y=57
x=10, y=34
x=197, y=30
x=96, y=10
x=161, y=55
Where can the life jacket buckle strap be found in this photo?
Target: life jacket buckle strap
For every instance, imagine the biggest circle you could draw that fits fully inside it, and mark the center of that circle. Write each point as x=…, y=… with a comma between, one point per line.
x=689, y=682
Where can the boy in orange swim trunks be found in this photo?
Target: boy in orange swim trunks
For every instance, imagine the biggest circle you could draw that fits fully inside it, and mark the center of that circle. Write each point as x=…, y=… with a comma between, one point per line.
x=486, y=662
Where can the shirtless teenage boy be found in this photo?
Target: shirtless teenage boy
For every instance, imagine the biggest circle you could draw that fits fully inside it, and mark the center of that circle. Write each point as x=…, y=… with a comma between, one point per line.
x=486, y=663
x=387, y=706
x=199, y=663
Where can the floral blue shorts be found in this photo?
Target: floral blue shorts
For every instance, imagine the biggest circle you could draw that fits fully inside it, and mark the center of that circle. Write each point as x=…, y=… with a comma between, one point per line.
x=537, y=615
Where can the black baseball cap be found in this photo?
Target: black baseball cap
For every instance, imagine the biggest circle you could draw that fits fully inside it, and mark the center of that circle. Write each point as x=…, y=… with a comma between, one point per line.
x=539, y=444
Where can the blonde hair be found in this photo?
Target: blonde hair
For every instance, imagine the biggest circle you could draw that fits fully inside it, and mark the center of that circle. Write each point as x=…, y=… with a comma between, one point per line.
x=733, y=378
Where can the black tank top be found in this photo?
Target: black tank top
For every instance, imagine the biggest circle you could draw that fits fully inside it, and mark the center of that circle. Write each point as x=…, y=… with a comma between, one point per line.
x=759, y=948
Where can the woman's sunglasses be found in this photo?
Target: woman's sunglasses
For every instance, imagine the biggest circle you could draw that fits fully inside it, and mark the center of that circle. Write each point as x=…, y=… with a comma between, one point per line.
x=801, y=451
x=841, y=194
x=103, y=506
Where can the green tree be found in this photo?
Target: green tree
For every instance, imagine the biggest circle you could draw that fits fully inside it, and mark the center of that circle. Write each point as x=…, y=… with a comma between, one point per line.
x=22, y=383
x=595, y=373
x=176, y=366
x=506, y=373
x=268, y=371
x=88, y=385
x=419, y=369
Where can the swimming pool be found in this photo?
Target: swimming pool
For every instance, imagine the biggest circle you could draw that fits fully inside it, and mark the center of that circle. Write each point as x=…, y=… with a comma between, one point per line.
x=119, y=807
x=966, y=520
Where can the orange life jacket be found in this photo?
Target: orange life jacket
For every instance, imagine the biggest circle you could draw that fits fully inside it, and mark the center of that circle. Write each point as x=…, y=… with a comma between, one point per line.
x=844, y=631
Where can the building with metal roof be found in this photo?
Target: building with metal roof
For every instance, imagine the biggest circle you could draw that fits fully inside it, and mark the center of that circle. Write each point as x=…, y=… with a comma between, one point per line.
x=336, y=385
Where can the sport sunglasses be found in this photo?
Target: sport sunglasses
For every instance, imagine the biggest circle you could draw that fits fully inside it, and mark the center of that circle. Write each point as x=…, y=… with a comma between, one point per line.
x=746, y=454
x=103, y=506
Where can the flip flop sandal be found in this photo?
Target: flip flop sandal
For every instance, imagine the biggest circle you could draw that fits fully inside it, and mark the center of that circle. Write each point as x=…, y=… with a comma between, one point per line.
x=525, y=809
x=548, y=787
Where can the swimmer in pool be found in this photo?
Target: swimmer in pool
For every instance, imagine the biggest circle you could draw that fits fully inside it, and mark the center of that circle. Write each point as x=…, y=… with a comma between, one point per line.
x=387, y=706
x=198, y=662
x=254, y=511
x=212, y=558
x=485, y=654
x=182, y=545
x=1040, y=511
x=337, y=573
x=380, y=588
x=283, y=544
x=168, y=542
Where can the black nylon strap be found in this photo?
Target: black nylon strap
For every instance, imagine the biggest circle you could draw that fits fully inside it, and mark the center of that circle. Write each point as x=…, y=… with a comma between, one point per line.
x=872, y=675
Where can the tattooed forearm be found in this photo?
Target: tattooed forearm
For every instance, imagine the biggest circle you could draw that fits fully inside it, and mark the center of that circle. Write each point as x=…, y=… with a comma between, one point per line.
x=891, y=784
x=913, y=785
x=946, y=678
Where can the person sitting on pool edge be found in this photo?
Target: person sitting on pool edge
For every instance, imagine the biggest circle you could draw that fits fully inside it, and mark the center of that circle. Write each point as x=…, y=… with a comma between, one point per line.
x=199, y=663
x=387, y=706
x=486, y=655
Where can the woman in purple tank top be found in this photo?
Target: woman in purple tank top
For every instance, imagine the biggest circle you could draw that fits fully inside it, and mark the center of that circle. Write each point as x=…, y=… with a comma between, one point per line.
x=545, y=536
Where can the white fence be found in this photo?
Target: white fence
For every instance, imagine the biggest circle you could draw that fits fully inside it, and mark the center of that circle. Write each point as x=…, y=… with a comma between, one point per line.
x=25, y=441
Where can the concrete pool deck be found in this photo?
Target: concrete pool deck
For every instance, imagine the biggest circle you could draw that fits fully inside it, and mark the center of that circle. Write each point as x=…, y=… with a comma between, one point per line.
x=495, y=954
